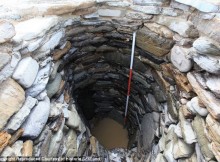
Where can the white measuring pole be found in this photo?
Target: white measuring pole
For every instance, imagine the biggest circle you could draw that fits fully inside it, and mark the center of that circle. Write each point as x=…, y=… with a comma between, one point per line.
x=130, y=76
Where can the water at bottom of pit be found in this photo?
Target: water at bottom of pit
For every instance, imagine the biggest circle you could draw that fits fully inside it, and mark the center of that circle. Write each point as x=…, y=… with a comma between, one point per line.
x=110, y=133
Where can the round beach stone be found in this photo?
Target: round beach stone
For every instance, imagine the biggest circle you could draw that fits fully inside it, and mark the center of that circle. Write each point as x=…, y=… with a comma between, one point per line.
x=179, y=58
x=26, y=72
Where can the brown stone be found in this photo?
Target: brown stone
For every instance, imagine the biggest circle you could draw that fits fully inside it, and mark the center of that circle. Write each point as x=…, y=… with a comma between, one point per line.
x=66, y=96
x=216, y=150
x=209, y=100
x=187, y=114
x=61, y=88
x=60, y=52
x=12, y=97
x=27, y=149
x=4, y=139
x=180, y=78
x=16, y=136
x=213, y=128
x=150, y=63
x=161, y=81
x=93, y=145
x=163, y=31
x=153, y=43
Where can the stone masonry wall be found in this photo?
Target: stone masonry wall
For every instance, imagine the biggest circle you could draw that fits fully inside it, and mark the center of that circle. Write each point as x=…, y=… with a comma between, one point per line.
x=48, y=51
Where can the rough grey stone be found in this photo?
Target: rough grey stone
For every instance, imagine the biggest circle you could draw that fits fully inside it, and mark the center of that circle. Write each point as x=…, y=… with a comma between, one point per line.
x=204, y=45
x=148, y=131
x=17, y=120
x=111, y=13
x=155, y=10
x=8, y=70
x=53, y=86
x=204, y=6
x=40, y=82
x=4, y=59
x=7, y=31
x=37, y=119
x=26, y=72
x=180, y=58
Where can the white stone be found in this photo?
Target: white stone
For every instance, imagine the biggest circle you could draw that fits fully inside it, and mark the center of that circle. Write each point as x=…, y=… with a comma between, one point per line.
x=179, y=58
x=33, y=28
x=17, y=120
x=111, y=13
x=155, y=10
x=40, y=82
x=26, y=72
x=56, y=109
x=179, y=25
x=42, y=95
x=17, y=147
x=8, y=70
x=7, y=152
x=178, y=131
x=182, y=150
x=37, y=119
x=4, y=59
x=74, y=119
x=204, y=45
x=204, y=6
x=7, y=31
x=55, y=142
x=187, y=130
x=213, y=83
x=208, y=63
x=160, y=158
x=119, y=4
x=54, y=85
x=170, y=141
x=202, y=111
x=149, y=2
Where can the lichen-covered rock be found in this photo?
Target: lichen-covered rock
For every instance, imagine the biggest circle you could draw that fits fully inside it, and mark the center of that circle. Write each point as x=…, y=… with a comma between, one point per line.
x=26, y=72
x=180, y=58
x=37, y=119
x=11, y=99
x=7, y=31
x=16, y=121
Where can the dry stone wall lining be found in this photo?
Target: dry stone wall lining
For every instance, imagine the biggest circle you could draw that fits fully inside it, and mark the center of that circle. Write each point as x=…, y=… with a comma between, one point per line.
x=50, y=51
